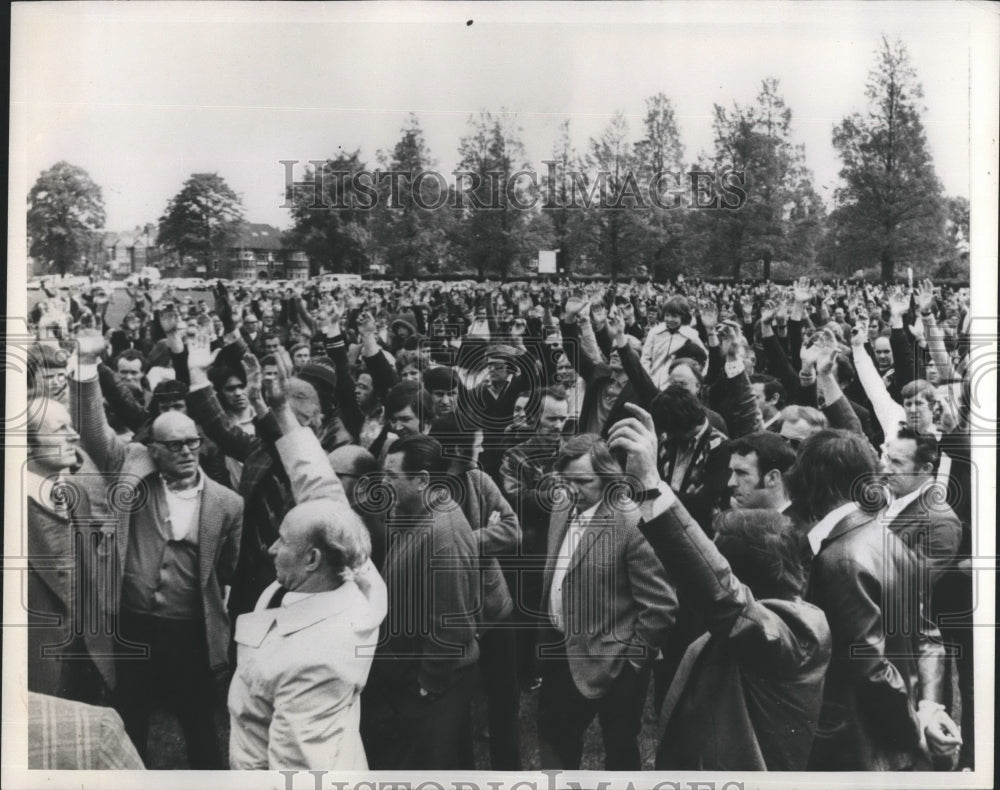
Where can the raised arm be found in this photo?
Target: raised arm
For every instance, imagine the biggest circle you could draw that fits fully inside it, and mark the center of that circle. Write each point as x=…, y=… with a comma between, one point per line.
x=96, y=437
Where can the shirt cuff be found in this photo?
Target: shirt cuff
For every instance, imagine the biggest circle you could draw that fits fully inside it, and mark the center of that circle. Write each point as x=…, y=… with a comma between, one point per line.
x=660, y=505
x=193, y=387
x=733, y=369
x=86, y=371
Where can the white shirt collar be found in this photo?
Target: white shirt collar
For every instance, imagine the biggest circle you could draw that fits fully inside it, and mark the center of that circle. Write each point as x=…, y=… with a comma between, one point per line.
x=900, y=504
x=825, y=525
x=40, y=488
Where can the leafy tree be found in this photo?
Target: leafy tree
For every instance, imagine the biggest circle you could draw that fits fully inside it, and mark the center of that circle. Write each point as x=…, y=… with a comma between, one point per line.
x=566, y=224
x=65, y=207
x=495, y=205
x=202, y=220
x=612, y=214
x=331, y=214
x=411, y=221
x=782, y=218
x=659, y=160
x=891, y=207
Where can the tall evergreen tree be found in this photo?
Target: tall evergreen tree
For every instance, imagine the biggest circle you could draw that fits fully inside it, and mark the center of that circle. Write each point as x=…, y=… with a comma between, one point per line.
x=410, y=226
x=891, y=208
x=495, y=204
x=782, y=216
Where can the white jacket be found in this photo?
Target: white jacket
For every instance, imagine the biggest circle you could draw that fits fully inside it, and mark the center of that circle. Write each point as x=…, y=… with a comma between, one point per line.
x=295, y=698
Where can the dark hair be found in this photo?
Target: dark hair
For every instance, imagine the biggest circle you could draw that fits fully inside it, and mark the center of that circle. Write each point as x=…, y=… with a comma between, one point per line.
x=130, y=354
x=408, y=394
x=676, y=411
x=269, y=336
x=169, y=391
x=220, y=374
x=834, y=467
x=420, y=454
x=772, y=451
x=605, y=465
x=678, y=305
x=927, y=451
x=772, y=387
x=268, y=359
x=764, y=550
x=456, y=440
x=441, y=377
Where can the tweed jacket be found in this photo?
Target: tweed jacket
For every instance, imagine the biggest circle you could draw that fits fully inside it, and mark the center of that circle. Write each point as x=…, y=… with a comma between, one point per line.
x=64, y=735
x=704, y=484
x=221, y=512
x=618, y=604
x=887, y=655
x=751, y=701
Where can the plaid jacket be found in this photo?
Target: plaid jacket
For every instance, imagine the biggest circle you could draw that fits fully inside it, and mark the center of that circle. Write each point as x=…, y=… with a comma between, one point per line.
x=526, y=475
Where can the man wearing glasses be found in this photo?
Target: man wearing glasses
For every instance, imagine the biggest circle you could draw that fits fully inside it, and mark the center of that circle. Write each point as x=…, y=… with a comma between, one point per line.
x=178, y=536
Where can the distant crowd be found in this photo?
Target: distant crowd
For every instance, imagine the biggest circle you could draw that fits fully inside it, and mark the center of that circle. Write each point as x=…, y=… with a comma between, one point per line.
x=343, y=513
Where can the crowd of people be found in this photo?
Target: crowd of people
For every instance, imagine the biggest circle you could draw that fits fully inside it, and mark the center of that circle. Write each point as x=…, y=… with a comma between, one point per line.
x=345, y=512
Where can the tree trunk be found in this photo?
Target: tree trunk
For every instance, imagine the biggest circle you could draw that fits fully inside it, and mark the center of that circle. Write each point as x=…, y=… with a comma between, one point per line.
x=888, y=264
x=767, y=265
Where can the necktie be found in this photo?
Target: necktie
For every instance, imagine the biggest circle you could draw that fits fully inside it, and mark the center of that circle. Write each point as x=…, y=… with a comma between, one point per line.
x=277, y=598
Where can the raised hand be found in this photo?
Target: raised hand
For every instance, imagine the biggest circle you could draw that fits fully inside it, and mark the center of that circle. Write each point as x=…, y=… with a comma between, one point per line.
x=598, y=313
x=169, y=322
x=200, y=354
x=826, y=354
x=925, y=296
x=767, y=312
x=255, y=378
x=573, y=307
x=616, y=328
x=636, y=437
x=899, y=302
x=808, y=356
x=366, y=324
x=802, y=291
x=709, y=315
x=274, y=389
x=90, y=344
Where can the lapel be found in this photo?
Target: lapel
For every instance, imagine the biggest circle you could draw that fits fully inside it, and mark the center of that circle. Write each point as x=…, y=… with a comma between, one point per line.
x=851, y=521
x=50, y=552
x=558, y=524
x=209, y=529
x=594, y=534
x=699, y=448
x=130, y=493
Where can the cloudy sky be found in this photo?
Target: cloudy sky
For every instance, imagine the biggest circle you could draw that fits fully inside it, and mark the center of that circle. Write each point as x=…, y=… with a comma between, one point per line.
x=142, y=95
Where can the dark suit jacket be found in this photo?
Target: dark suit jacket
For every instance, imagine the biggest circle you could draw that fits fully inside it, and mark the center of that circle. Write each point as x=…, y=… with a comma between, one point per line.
x=884, y=660
x=932, y=532
x=617, y=602
x=58, y=572
x=752, y=699
x=220, y=521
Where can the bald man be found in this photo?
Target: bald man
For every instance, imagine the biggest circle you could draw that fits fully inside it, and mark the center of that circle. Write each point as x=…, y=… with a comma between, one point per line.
x=68, y=590
x=295, y=699
x=178, y=536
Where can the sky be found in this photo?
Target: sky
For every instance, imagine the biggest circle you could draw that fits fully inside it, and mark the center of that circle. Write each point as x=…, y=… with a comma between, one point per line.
x=143, y=95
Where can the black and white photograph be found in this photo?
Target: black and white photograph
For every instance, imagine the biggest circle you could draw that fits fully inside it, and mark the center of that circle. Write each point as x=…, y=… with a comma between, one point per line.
x=502, y=395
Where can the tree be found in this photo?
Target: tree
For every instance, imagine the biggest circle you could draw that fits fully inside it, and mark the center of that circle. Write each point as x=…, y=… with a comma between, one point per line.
x=782, y=218
x=661, y=152
x=410, y=226
x=201, y=220
x=612, y=215
x=65, y=207
x=494, y=203
x=566, y=222
x=891, y=205
x=331, y=215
